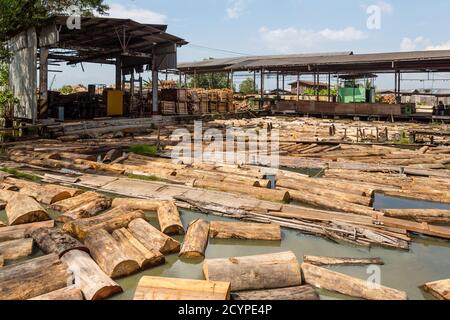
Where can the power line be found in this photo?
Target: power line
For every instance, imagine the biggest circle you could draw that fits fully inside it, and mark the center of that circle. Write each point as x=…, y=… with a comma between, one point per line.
x=219, y=50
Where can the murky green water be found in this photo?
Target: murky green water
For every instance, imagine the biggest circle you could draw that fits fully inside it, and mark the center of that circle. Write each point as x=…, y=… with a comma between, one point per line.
x=428, y=259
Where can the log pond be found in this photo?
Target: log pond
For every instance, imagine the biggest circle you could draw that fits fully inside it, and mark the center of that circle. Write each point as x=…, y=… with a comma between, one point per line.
x=428, y=260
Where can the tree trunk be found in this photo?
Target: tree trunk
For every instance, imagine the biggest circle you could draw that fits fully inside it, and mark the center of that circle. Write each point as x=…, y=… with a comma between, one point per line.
x=245, y=231
x=75, y=202
x=86, y=210
x=137, y=204
x=325, y=261
x=338, y=282
x=136, y=250
x=152, y=238
x=438, y=289
x=7, y=195
x=16, y=249
x=435, y=216
x=33, y=278
x=56, y=241
x=112, y=155
x=196, y=239
x=291, y=293
x=65, y=294
x=158, y=288
x=269, y=271
x=169, y=219
x=89, y=278
x=108, y=255
x=112, y=220
x=22, y=209
x=23, y=230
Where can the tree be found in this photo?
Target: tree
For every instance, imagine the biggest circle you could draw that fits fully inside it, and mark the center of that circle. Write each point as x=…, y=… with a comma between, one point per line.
x=66, y=90
x=209, y=81
x=247, y=86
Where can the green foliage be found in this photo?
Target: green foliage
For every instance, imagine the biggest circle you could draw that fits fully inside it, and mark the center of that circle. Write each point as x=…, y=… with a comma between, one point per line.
x=322, y=93
x=144, y=149
x=22, y=175
x=66, y=90
x=143, y=178
x=7, y=98
x=247, y=86
x=209, y=81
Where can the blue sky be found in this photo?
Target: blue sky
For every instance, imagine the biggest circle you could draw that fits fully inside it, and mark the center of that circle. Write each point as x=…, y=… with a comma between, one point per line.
x=258, y=27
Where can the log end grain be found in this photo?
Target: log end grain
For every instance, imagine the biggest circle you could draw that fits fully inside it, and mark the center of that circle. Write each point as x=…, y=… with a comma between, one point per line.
x=125, y=268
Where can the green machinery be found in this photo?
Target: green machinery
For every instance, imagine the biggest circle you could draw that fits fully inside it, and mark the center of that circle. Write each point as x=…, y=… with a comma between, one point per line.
x=356, y=88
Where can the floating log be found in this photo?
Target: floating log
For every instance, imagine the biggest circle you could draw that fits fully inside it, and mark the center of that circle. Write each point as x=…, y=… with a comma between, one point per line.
x=137, y=204
x=16, y=249
x=326, y=261
x=420, y=215
x=56, y=241
x=244, y=231
x=87, y=210
x=23, y=230
x=152, y=238
x=438, y=289
x=169, y=219
x=108, y=255
x=22, y=209
x=341, y=283
x=33, y=278
x=89, y=278
x=114, y=219
x=157, y=288
x=196, y=239
x=65, y=294
x=75, y=202
x=269, y=271
x=292, y=294
x=6, y=195
x=137, y=251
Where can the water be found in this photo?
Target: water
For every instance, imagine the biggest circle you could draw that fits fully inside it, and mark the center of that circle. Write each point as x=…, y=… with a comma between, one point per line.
x=428, y=260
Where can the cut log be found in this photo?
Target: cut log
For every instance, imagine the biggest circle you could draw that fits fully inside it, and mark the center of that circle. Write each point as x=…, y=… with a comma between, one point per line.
x=2, y=261
x=326, y=261
x=45, y=194
x=438, y=289
x=269, y=271
x=137, y=204
x=338, y=282
x=169, y=219
x=108, y=255
x=16, y=249
x=136, y=250
x=420, y=215
x=244, y=231
x=112, y=155
x=292, y=294
x=196, y=239
x=157, y=288
x=6, y=195
x=23, y=230
x=75, y=202
x=65, y=294
x=112, y=220
x=22, y=209
x=152, y=238
x=89, y=278
x=33, y=278
x=87, y=210
x=56, y=241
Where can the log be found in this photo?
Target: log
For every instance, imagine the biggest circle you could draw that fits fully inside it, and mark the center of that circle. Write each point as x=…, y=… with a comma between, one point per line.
x=16, y=249
x=6, y=195
x=108, y=255
x=438, y=289
x=341, y=283
x=244, y=231
x=291, y=293
x=169, y=219
x=326, y=261
x=152, y=238
x=22, y=209
x=33, y=278
x=136, y=250
x=89, y=278
x=1, y=223
x=75, y=202
x=112, y=155
x=65, y=294
x=158, y=288
x=420, y=215
x=269, y=271
x=45, y=194
x=56, y=241
x=196, y=239
x=114, y=219
x=2, y=261
x=87, y=210
x=137, y=204
x=23, y=230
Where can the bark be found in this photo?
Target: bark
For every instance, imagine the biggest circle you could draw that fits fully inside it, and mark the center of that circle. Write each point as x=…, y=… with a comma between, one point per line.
x=169, y=219
x=16, y=249
x=341, y=283
x=65, y=294
x=23, y=230
x=291, y=293
x=158, y=288
x=245, y=231
x=89, y=278
x=152, y=238
x=438, y=289
x=108, y=255
x=22, y=209
x=326, y=261
x=56, y=241
x=112, y=155
x=196, y=239
x=255, y=272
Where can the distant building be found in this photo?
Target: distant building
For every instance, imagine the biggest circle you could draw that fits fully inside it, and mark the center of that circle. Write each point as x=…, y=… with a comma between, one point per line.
x=304, y=85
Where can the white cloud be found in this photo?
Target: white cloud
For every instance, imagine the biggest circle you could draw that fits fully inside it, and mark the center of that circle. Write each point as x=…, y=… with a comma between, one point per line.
x=441, y=46
x=137, y=14
x=292, y=39
x=409, y=44
x=236, y=8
